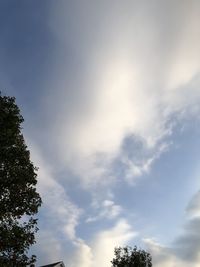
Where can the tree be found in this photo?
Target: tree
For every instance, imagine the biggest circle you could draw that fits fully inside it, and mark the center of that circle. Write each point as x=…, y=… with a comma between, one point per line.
x=131, y=257
x=19, y=201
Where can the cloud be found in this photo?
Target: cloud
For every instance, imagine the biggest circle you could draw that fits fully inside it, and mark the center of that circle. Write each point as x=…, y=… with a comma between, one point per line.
x=167, y=257
x=107, y=240
x=107, y=210
x=59, y=215
x=82, y=256
x=63, y=216
x=185, y=250
x=46, y=240
x=60, y=210
x=193, y=208
x=99, y=251
x=137, y=163
x=128, y=71
x=163, y=256
x=60, y=218
x=136, y=75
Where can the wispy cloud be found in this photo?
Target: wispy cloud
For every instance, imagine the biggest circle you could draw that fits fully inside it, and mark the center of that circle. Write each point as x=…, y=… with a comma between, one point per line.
x=128, y=82
x=107, y=210
x=60, y=215
x=119, y=81
x=101, y=249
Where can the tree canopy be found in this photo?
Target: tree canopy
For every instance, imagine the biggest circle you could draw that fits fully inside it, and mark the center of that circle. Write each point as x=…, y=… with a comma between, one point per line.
x=19, y=200
x=131, y=257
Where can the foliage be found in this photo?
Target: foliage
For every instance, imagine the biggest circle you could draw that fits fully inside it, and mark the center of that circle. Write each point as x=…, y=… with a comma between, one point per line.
x=19, y=201
x=131, y=257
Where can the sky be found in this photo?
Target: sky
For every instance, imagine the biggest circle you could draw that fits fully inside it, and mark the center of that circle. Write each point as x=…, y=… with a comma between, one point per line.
x=110, y=94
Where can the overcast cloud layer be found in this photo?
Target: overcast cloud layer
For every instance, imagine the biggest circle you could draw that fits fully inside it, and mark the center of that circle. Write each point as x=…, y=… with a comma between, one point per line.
x=110, y=93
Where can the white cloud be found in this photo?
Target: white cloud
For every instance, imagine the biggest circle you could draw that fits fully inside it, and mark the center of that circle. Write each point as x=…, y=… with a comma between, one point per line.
x=107, y=210
x=134, y=70
x=61, y=211
x=136, y=167
x=60, y=216
x=82, y=256
x=107, y=240
x=128, y=69
x=100, y=250
x=139, y=72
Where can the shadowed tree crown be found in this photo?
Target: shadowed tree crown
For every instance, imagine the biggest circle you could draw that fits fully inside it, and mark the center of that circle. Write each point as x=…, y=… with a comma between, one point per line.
x=131, y=257
x=19, y=201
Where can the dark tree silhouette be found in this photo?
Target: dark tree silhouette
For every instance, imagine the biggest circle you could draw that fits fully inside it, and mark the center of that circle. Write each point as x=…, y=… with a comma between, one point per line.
x=19, y=201
x=131, y=257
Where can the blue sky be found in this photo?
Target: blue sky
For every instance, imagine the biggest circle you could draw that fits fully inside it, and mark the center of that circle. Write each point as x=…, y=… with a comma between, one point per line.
x=110, y=94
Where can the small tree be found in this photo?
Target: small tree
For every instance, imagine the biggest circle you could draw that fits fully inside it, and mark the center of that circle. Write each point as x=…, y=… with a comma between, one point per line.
x=19, y=200
x=131, y=257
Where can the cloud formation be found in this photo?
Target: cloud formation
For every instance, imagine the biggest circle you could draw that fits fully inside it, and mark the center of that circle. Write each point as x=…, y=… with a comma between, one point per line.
x=107, y=210
x=134, y=74
x=63, y=216
x=104, y=108
x=137, y=75
x=101, y=249
x=185, y=250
